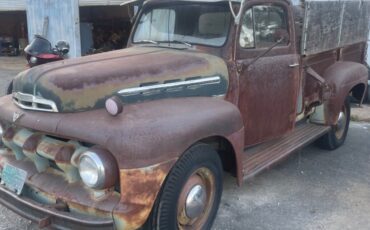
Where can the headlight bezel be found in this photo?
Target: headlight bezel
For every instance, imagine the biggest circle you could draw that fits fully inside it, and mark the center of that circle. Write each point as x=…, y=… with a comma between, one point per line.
x=99, y=169
x=105, y=166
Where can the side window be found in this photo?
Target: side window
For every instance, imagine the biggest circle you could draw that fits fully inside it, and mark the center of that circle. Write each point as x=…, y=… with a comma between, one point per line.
x=263, y=26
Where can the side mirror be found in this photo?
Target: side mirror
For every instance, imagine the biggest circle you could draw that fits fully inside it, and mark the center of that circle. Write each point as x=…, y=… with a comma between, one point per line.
x=62, y=47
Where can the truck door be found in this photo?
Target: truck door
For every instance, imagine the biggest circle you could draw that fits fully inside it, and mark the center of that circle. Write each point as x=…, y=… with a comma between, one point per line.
x=268, y=71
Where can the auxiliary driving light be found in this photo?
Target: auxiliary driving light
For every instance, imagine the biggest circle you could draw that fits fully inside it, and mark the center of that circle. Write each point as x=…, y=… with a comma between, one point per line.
x=114, y=106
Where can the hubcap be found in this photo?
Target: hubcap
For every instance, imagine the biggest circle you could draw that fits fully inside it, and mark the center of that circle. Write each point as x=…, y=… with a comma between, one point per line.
x=196, y=200
x=341, y=123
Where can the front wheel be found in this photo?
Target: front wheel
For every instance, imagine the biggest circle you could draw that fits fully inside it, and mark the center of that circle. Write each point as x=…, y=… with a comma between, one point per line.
x=338, y=133
x=191, y=194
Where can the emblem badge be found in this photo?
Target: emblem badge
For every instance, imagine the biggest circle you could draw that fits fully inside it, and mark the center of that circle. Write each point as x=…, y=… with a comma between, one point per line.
x=17, y=116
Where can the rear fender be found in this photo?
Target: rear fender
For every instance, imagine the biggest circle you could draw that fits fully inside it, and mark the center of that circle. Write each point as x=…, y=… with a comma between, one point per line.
x=343, y=77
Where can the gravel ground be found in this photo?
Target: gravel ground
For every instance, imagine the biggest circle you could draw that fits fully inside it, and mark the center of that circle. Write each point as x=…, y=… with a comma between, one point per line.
x=10, y=67
x=360, y=113
x=313, y=189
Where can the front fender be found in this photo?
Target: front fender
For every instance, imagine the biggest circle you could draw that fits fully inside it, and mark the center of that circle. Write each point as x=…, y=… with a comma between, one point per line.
x=143, y=134
x=342, y=77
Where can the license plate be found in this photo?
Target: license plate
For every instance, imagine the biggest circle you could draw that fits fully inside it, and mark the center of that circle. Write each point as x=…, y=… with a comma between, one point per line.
x=13, y=178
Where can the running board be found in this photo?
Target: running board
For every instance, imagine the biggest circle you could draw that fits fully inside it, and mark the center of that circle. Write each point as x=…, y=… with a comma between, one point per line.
x=263, y=156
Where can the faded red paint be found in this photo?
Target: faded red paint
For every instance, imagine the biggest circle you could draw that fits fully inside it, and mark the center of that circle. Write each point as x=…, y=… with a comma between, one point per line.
x=142, y=144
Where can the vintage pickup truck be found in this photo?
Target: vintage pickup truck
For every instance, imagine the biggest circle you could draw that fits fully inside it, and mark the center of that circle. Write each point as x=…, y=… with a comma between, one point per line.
x=140, y=138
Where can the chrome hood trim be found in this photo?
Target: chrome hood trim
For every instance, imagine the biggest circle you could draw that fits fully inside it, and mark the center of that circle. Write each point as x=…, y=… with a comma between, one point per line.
x=31, y=102
x=171, y=86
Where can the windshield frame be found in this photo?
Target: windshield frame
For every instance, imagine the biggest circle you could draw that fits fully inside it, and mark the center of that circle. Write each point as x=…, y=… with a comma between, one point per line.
x=148, y=7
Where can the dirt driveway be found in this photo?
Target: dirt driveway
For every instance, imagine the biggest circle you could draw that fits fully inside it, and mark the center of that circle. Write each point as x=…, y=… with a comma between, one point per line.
x=9, y=68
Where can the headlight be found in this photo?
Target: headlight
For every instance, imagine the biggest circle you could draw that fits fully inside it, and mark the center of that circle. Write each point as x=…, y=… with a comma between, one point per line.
x=98, y=169
x=33, y=60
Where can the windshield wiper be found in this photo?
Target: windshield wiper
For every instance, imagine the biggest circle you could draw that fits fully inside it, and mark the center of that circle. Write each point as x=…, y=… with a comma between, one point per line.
x=148, y=41
x=177, y=41
x=182, y=42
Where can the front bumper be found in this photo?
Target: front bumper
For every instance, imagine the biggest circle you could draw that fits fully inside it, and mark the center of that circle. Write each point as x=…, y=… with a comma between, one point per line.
x=50, y=200
x=43, y=145
x=46, y=216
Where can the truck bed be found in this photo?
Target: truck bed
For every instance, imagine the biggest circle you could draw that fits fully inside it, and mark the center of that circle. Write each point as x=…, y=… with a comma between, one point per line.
x=329, y=25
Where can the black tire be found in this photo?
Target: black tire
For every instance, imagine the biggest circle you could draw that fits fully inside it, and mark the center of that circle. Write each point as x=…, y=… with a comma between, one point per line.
x=332, y=140
x=164, y=214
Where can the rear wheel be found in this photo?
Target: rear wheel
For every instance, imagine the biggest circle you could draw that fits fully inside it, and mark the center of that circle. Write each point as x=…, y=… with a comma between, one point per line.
x=191, y=194
x=338, y=133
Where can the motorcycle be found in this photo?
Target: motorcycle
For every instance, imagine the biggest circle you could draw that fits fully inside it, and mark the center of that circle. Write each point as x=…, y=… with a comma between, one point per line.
x=8, y=46
x=39, y=52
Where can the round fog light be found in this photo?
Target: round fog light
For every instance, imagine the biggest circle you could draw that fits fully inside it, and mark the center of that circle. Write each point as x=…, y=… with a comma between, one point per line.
x=113, y=106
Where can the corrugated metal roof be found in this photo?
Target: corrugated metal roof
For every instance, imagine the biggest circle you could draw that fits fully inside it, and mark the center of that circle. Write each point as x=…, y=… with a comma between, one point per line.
x=100, y=2
x=11, y=5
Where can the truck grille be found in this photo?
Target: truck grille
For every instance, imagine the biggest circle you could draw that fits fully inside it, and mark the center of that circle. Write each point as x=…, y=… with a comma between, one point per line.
x=31, y=102
x=44, y=151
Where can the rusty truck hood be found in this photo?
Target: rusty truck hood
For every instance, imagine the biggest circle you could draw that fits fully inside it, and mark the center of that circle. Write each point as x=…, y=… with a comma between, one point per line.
x=85, y=83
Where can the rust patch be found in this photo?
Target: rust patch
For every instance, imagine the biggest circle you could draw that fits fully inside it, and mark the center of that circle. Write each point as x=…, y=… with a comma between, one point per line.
x=64, y=154
x=9, y=134
x=161, y=63
x=139, y=189
x=107, y=76
x=56, y=150
x=31, y=143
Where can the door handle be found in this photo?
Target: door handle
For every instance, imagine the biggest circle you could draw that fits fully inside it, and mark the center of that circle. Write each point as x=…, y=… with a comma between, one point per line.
x=294, y=65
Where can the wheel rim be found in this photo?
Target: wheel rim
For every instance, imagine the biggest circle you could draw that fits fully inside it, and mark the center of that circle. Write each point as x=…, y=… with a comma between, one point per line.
x=340, y=127
x=196, y=200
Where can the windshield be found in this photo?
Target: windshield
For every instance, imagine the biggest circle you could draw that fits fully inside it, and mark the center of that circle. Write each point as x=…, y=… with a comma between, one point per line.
x=39, y=45
x=202, y=24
